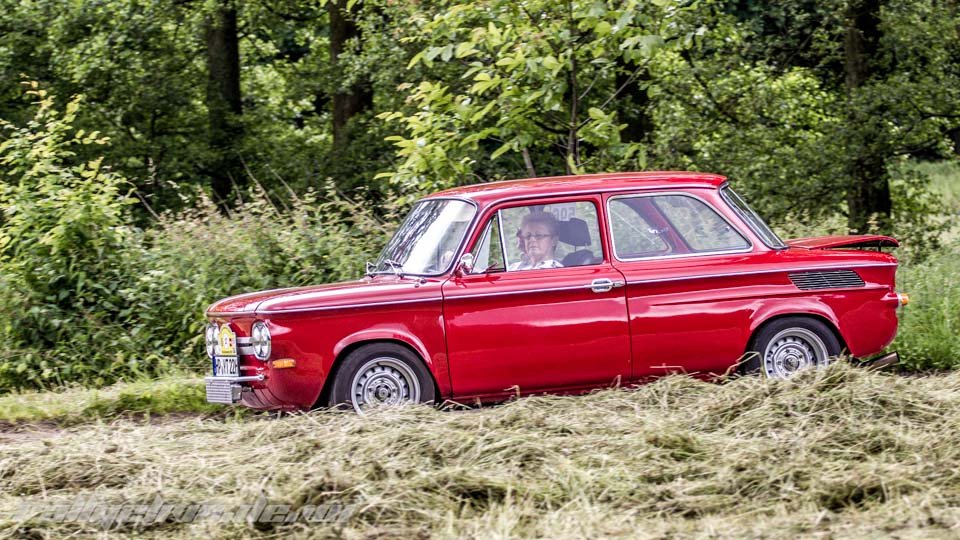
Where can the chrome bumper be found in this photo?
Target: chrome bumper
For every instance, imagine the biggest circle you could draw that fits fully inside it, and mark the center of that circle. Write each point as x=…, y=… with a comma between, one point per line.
x=226, y=390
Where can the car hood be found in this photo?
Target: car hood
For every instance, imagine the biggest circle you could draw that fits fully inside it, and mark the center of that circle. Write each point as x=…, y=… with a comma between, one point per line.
x=345, y=294
x=844, y=241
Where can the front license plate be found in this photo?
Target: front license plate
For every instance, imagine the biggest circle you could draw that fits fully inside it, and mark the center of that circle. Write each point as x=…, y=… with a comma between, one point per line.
x=226, y=366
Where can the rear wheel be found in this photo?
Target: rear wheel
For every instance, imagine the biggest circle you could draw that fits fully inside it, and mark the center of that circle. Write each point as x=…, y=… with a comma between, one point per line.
x=381, y=374
x=788, y=345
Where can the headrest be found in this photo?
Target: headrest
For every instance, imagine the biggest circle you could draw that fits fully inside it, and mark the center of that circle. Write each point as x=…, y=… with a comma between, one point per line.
x=574, y=232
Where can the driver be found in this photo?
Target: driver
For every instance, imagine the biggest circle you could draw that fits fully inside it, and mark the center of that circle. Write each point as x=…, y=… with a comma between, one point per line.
x=537, y=238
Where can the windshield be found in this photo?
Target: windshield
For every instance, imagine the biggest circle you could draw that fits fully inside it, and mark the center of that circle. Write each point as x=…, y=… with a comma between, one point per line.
x=746, y=213
x=428, y=239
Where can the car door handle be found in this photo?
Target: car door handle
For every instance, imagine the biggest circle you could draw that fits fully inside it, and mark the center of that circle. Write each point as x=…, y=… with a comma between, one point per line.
x=604, y=285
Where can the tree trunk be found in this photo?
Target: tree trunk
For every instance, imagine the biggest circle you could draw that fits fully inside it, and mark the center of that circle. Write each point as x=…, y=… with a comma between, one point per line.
x=954, y=135
x=358, y=97
x=573, y=135
x=224, y=105
x=868, y=196
x=633, y=106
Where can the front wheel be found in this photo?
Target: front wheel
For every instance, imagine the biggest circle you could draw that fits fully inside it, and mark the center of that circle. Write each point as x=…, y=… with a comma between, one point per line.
x=786, y=346
x=381, y=374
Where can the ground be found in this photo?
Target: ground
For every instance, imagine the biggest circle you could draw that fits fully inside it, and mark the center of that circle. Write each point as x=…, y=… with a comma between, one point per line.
x=838, y=453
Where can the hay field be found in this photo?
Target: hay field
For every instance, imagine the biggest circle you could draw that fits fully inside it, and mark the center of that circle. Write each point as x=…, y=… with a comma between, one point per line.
x=838, y=453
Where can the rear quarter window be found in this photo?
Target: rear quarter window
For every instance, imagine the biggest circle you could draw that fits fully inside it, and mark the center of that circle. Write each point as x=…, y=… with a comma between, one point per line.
x=646, y=226
x=699, y=225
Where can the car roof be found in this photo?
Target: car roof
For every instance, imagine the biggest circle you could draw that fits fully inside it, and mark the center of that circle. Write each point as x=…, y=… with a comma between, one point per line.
x=584, y=183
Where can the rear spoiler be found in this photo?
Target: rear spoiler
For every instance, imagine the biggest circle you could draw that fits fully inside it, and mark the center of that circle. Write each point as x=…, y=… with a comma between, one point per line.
x=852, y=241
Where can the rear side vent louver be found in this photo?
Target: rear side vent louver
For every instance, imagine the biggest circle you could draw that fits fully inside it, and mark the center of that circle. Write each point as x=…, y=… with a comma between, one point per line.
x=834, y=279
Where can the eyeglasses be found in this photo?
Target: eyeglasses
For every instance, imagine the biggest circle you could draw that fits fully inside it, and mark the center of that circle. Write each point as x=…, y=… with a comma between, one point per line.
x=530, y=236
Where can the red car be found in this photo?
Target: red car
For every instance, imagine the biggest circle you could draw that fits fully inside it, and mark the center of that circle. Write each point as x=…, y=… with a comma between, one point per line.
x=558, y=285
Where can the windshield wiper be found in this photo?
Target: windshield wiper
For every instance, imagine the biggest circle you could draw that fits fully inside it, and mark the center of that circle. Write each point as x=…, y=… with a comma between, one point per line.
x=395, y=266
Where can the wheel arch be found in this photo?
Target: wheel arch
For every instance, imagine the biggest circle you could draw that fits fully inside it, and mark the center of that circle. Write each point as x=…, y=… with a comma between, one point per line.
x=343, y=351
x=827, y=321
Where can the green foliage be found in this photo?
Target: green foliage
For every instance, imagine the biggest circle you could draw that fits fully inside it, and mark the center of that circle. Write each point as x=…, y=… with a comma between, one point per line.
x=139, y=68
x=929, y=333
x=944, y=182
x=61, y=237
x=768, y=132
x=86, y=298
x=540, y=88
x=195, y=257
x=537, y=79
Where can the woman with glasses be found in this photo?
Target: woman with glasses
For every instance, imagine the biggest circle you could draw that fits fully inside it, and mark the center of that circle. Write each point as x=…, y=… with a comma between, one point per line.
x=537, y=239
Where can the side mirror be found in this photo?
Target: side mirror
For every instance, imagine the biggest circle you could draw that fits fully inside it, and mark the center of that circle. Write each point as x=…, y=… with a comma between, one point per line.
x=465, y=266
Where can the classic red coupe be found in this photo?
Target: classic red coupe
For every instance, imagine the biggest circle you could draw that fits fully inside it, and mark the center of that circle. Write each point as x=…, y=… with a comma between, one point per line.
x=558, y=285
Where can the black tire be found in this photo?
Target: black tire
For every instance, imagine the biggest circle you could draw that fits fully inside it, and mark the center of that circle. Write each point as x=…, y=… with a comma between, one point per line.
x=784, y=346
x=386, y=373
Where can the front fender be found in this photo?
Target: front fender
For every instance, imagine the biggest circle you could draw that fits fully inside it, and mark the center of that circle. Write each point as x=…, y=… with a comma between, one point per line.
x=434, y=360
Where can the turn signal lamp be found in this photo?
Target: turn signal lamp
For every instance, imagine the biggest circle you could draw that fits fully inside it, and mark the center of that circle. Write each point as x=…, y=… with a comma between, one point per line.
x=284, y=363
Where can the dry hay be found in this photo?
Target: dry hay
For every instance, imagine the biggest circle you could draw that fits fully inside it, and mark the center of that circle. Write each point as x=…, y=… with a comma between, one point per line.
x=840, y=452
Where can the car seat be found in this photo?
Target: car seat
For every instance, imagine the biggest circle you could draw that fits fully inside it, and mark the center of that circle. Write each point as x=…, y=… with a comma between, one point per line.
x=574, y=232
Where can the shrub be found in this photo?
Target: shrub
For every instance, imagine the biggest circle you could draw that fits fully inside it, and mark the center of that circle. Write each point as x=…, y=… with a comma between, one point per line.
x=86, y=298
x=196, y=257
x=61, y=239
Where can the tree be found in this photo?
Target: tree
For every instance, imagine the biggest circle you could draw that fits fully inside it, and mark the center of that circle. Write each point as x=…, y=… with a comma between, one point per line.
x=141, y=70
x=354, y=96
x=224, y=104
x=868, y=197
x=821, y=123
x=539, y=80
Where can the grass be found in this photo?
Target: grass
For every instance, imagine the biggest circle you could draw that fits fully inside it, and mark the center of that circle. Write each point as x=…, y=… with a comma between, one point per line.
x=929, y=332
x=75, y=405
x=944, y=181
x=839, y=452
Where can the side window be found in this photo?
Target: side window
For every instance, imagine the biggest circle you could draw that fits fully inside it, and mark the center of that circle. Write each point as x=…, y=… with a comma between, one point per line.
x=699, y=225
x=633, y=235
x=489, y=251
x=661, y=225
x=551, y=235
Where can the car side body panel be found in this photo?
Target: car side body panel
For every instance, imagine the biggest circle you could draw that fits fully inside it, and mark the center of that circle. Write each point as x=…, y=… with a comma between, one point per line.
x=686, y=316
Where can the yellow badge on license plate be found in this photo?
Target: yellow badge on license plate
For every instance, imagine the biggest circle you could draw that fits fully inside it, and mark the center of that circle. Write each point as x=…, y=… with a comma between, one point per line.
x=227, y=341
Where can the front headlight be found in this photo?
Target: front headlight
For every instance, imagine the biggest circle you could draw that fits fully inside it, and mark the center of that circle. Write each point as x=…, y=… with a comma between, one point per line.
x=210, y=339
x=260, y=339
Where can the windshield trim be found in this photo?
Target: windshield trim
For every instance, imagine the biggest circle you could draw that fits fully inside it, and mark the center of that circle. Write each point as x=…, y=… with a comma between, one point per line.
x=457, y=253
x=724, y=190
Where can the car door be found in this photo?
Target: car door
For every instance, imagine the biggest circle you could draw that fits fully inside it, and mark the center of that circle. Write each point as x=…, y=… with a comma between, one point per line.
x=689, y=290
x=513, y=325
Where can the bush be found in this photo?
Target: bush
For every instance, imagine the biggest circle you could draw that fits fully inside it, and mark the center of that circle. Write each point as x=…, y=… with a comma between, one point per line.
x=61, y=241
x=86, y=298
x=196, y=257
